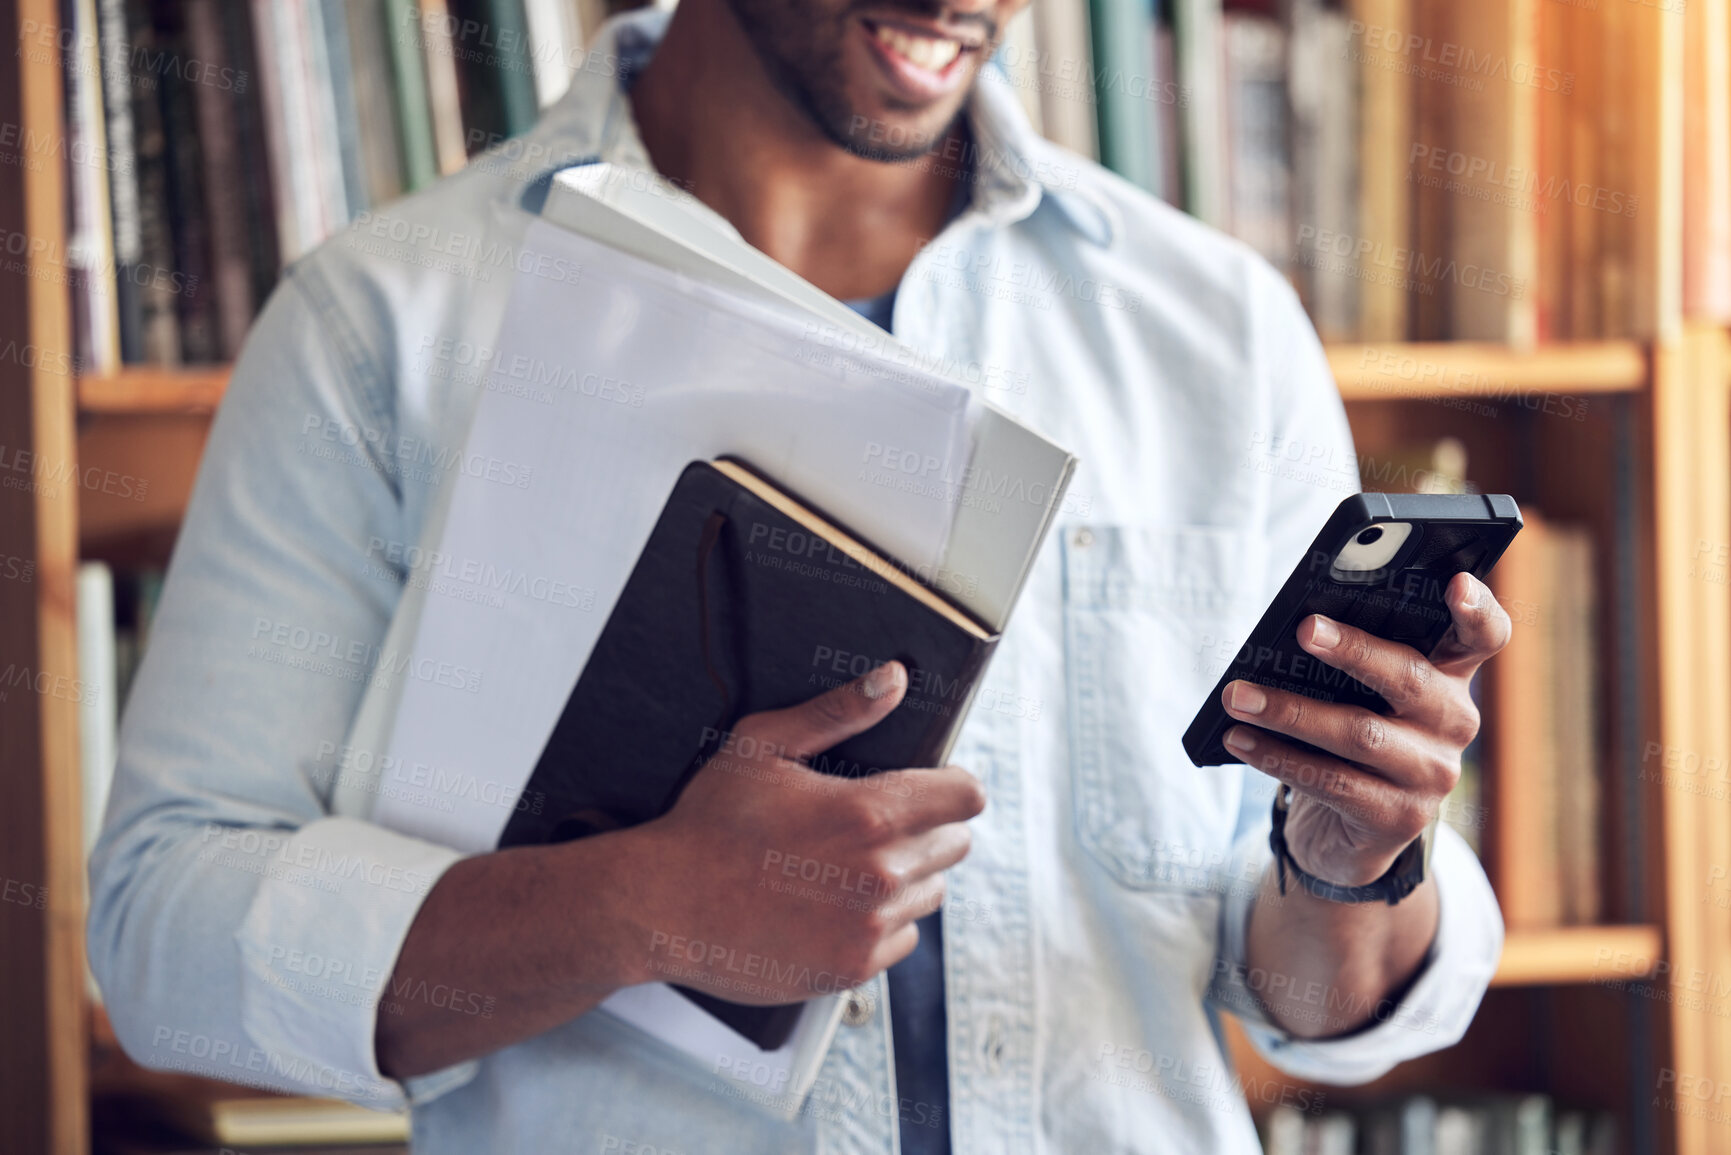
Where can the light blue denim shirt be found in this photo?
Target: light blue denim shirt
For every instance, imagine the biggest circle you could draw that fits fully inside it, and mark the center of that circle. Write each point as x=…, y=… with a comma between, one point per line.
x=246, y=916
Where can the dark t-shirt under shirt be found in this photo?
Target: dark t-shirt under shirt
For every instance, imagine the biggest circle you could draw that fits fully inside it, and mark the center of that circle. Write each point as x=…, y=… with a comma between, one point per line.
x=918, y=1022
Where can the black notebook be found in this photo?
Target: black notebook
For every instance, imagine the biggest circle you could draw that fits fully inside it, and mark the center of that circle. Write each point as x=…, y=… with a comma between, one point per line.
x=744, y=599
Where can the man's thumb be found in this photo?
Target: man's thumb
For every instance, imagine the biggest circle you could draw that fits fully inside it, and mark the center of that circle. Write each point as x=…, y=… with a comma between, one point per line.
x=836, y=715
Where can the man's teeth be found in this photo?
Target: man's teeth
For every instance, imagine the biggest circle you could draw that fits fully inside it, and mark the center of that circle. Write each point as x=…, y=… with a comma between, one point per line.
x=931, y=53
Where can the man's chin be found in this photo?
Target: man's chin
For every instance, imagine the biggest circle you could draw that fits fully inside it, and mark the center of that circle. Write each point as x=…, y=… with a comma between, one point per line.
x=892, y=139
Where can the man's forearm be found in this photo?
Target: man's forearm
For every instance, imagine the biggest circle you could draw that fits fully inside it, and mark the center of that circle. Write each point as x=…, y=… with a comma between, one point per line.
x=508, y=945
x=1331, y=965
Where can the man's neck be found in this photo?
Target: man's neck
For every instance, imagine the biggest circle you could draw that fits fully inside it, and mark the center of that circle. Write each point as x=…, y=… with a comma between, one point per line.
x=713, y=122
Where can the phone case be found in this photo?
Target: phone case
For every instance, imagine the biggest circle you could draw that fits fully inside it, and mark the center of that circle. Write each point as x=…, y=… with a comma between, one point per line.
x=1451, y=533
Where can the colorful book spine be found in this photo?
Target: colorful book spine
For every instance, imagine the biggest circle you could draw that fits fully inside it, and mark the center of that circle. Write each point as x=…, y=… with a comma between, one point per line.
x=1124, y=73
x=409, y=77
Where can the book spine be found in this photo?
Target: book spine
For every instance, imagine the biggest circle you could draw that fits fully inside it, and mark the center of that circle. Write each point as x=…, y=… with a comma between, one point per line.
x=339, y=81
x=326, y=130
x=1385, y=138
x=1260, y=176
x=1521, y=729
x=215, y=105
x=507, y=49
x=1197, y=43
x=409, y=84
x=554, y=36
x=439, y=45
x=1020, y=58
x=1495, y=248
x=1123, y=43
x=1066, y=73
x=90, y=248
x=98, y=707
x=381, y=137
x=158, y=322
x=1707, y=162
x=189, y=219
x=114, y=48
x=1324, y=160
x=253, y=153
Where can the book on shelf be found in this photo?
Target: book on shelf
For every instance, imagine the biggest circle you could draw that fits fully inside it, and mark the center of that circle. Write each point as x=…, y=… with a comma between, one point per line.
x=90, y=243
x=1546, y=807
x=1322, y=95
x=1127, y=89
x=1707, y=163
x=1421, y=1125
x=1258, y=161
x=1065, y=74
x=1494, y=127
x=235, y=1117
x=113, y=614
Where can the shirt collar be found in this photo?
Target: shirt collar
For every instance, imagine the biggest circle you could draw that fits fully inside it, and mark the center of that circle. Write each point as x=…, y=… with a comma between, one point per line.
x=1015, y=169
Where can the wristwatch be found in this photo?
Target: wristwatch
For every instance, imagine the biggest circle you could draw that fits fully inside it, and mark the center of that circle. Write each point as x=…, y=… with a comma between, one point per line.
x=1401, y=878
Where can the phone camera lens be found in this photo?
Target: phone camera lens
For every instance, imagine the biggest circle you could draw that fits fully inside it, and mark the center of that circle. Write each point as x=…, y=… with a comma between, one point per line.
x=1369, y=536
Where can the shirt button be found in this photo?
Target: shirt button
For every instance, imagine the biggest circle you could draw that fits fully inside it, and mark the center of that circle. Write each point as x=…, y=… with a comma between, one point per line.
x=856, y=1010
x=1084, y=538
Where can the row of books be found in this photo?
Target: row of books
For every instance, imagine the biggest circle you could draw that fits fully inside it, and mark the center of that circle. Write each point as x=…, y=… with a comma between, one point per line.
x=1540, y=826
x=210, y=143
x=1421, y=169
x=1419, y=1125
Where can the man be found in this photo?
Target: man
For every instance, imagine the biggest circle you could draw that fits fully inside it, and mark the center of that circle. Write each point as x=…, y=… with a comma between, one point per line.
x=1103, y=900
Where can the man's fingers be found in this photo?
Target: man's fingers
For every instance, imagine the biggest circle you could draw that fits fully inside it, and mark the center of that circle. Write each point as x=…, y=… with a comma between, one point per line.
x=1481, y=627
x=831, y=718
x=914, y=902
x=932, y=853
x=919, y=800
x=1388, y=746
x=1406, y=679
x=892, y=950
x=1361, y=797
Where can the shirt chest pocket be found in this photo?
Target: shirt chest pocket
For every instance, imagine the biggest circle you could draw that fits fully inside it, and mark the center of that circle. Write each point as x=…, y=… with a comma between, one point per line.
x=1146, y=611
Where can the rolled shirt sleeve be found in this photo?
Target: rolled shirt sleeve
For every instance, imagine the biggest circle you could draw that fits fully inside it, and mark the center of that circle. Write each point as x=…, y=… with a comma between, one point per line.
x=1432, y=1013
x=237, y=929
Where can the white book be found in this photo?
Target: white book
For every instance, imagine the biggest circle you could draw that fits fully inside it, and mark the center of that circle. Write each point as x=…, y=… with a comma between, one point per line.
x=765, y=366
x=90, y=248
x=555, y=37
x=98, y=712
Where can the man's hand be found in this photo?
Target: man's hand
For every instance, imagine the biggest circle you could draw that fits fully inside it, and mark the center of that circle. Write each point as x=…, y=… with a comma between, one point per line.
x=796, y=882
x=1383, y=777
x=699, y=896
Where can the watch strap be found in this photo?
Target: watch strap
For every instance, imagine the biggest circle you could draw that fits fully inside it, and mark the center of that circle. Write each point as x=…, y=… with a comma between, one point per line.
x=1399, y=880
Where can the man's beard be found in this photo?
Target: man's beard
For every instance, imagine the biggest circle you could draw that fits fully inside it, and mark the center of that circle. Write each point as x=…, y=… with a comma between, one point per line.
x=781, y=33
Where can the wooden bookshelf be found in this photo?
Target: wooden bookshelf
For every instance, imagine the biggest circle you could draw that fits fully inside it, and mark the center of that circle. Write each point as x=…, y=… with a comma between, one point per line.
x=1467, y=369
x=1578, y=954
x=1413, y=370
x=138, y=390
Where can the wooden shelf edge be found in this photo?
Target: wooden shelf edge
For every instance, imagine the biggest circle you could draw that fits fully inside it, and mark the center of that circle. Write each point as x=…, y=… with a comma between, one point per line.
x=1395, y=371
x=141, y=390
x=1578, y=954
x=1446, y=369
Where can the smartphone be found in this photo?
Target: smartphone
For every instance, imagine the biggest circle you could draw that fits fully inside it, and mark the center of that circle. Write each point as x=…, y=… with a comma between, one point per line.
x=1381, y=564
